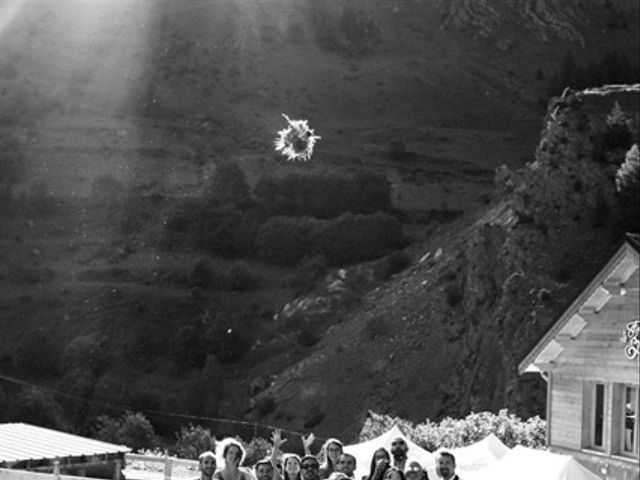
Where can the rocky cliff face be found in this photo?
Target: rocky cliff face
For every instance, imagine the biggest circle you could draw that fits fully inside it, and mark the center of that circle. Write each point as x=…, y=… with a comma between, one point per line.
x=547, y=20
x=446, y=336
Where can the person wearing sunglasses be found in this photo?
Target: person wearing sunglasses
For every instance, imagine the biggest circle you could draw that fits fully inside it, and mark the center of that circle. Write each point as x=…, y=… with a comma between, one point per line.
x=310, y=468
x=416, y=472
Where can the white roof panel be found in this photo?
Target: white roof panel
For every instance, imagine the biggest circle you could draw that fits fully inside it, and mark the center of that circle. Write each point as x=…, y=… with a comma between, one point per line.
x=21, y=441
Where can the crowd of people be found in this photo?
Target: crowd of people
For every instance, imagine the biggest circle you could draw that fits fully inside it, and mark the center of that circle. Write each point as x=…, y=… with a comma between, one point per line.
x=331, y=463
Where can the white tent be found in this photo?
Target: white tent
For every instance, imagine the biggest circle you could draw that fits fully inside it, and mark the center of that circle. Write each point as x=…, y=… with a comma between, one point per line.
x=529, y=464
x=364, y=451
x=479, y=455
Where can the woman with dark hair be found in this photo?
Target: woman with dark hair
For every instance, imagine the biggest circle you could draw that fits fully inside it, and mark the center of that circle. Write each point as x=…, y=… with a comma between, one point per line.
x=331, y=451
x=380, y=462
x=233, y=455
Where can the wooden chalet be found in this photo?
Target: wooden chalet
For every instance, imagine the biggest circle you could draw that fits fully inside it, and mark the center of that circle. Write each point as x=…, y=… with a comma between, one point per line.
x=590, y=361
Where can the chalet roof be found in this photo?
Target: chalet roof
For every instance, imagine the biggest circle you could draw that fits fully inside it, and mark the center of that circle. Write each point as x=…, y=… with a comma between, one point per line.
x=21, y=442
x=591, y=300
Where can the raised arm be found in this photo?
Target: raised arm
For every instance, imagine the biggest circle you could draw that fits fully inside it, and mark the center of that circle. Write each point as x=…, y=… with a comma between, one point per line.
x=277, y=441
x=307, y=442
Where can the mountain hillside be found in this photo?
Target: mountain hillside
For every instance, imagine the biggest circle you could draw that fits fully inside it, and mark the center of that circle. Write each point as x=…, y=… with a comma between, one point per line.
x=137, y=171
x=445, y=337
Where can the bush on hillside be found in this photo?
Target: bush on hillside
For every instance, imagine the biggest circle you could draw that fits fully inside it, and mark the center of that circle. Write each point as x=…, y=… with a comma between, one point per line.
x=324, y=197
x=455, y=433
x=286, y=240
x=628, y=191
x=38, y=407
x=191, y=441
x=346, y=239
x=354, y=238
x=131, y=429
x=85, y=352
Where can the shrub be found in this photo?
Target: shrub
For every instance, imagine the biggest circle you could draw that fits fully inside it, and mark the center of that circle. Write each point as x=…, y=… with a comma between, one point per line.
x=354, y=238
x=257, y=449
x=85, y=352
x=40, y=408
x=191, y=441
x=286, y=240
x=455, y=433
x=628, y=191
x=132, y=430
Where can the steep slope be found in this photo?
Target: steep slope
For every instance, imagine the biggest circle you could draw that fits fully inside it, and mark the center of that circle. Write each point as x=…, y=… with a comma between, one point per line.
x=445, y=337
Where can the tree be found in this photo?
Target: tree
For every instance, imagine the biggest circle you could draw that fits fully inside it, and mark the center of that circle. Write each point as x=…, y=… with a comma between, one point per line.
x=132, y=430
x=628, y=190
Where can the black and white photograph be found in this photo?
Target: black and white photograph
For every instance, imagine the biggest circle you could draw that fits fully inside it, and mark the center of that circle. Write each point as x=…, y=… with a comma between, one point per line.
x=319, y=239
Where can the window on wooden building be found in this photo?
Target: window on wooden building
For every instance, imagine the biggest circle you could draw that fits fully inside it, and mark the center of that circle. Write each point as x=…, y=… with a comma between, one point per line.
x=597, y=418
x=629, y=420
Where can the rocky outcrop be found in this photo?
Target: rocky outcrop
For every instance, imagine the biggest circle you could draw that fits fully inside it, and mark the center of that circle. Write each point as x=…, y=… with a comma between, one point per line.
x=546, y=19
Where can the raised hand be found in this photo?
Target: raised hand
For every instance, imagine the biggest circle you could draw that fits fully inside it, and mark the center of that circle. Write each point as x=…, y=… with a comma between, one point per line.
x=307, y=442
x=276, y=439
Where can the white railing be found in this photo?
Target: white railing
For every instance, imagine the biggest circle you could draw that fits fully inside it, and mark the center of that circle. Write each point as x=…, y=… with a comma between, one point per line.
x=154, y=467
x=9, y=474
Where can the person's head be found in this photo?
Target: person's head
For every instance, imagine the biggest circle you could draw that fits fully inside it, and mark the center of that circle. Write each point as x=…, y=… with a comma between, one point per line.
x=309, y=467
x=414, y=471
x=380, y=456
x=347, y=464
x=445, y=464
x=207, y=463
x=399, y=448
x=264, y=469
x=339, y=476
x=332, y=449
x=232, y=452
x=291, y=466
x=393, y=473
